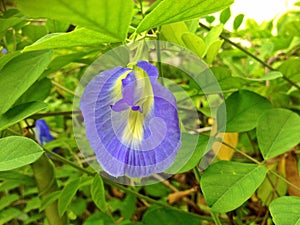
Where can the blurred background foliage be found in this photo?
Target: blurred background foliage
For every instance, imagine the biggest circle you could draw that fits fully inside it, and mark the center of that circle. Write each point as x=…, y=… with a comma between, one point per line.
x=46, y=46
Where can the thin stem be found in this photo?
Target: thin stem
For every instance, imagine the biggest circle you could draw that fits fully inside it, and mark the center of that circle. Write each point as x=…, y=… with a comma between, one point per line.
x=61, y=113
x=252, y=56
x=215, y=218
x=63, y=160
x=285, y=180
x=63, y=88
x=141, y=6
x=240, y=152
x=197, y=174
x=159, y=60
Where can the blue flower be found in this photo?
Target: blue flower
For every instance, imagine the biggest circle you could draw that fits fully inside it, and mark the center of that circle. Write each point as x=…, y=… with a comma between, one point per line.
x=4, y=51
x=131, y=121
x=42, y=132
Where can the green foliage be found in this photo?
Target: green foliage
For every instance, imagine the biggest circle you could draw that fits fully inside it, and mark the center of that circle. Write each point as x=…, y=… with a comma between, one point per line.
x=66, y=196
x=45, y=48
x=243, y=109
x=169, y=11
x=113, y=22
x=158, y=216
x=278, y=130
x=98, y=193
x=285, y=210
x=29, y=65
x=18, y=151
x=227, y=185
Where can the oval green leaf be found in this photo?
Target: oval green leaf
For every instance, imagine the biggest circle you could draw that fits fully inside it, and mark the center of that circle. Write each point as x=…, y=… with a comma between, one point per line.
x=278, y=130
x=78, y=37
x=194, y=43
x=98, y=193
x=20, y=112
x=161, y=215
x=18, y=151
x=170, y=11
x=111, y=17
x=66, y=196
x=19, y=74
x=227, y=185
x=238, y=21
x=243, y=108
x=285, y=210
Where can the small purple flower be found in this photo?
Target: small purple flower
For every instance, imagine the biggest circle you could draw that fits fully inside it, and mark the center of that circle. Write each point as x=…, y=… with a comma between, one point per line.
x=42, y=132
x=131, y=121
x=4, y=51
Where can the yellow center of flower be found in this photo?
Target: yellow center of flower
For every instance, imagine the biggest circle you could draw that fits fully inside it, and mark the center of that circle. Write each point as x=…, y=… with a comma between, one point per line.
x=134, y=132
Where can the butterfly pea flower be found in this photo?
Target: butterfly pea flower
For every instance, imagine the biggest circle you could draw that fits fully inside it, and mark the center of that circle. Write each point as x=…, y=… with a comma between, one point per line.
x=42, y=132
x=131, y=121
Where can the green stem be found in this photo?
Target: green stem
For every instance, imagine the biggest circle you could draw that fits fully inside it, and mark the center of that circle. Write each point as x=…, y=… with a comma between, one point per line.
x=285, y=180
x=197, y=174
x=62, y=113
x=43, y=171
x=215, y=218
x=160, y=71
x=252, y=56
x=141, y=6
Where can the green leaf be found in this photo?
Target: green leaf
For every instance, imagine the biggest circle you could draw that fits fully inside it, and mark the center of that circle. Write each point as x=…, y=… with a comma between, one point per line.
x=49, y=199
x=18, y=151
x=64, y=59
x=169, y=11
x=159, y=216
x=157, y=190
x=213, y=50
x=55, y=26
x=227, y=185
x=98, y=193
x=9, y=214
x=194, y=43
x=37, y=92
x=285, y=210
x=291, y=69
x=6, y=200
x=78, y=37
x=173, y=32
x=20, y=112
x=34, y=32
x=213, y=35
x=19, y=74
x=33, y=203
x=192, y=145
x=6, y=58
x=238, y=21
x=269, y=76
x=111, y=18
x=66, y=196
x=278, y=130
x=99, y=218
x=243, y=108
x=22, y=179
x=128, y=206
x=225, y=79
x=9, y=22
x=225, y=15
